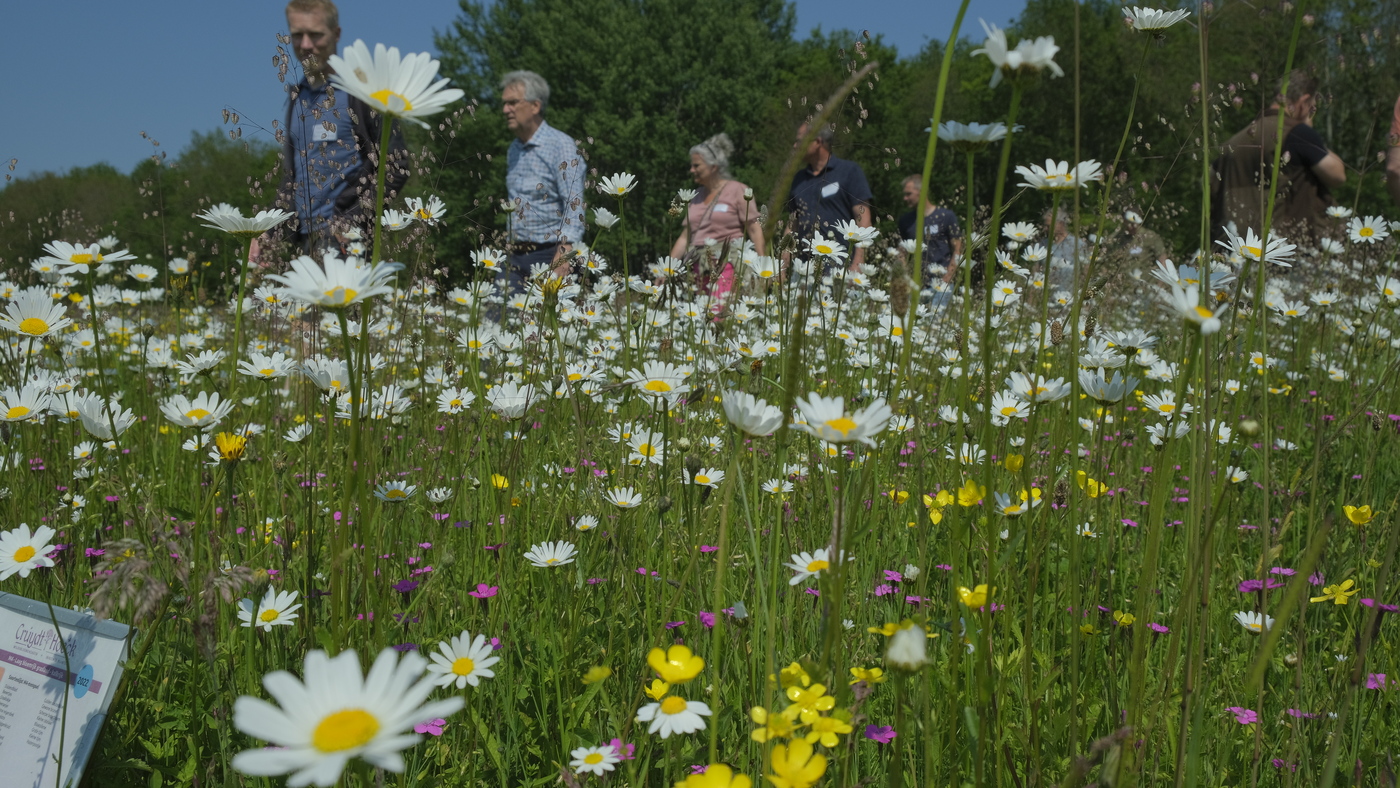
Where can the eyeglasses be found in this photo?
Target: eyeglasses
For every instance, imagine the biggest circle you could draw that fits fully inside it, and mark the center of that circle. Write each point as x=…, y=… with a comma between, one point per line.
x=513, y=102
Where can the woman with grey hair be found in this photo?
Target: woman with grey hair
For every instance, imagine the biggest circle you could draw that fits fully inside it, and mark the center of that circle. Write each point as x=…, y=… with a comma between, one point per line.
x=719, y=218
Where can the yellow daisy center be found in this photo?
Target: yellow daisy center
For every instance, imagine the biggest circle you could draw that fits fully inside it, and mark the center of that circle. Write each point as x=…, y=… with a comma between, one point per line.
x=551, y=561
x=673, y=705
x=456, y=403
x=1203, y=313
x=345, y=730
x=824, y=249
x=341, y=295
x=269, y=615
x=897, y=331
x=658, y=386
x=1008, y=411
x=84, y=259
x=17, y=412
x=33, y=325
x=1256, y=626
x=1252, y=251
x=394, y=102
x=1366, y=232
x=646, y=450
x=24, y=554
x=701, y=478
x=196, y=414
x=463, y=666
x=1166, y=407
x=593, y=758
x=267, y=372
x=395, y=494
x=817, y=566
x=843, y=425
x=422, y=213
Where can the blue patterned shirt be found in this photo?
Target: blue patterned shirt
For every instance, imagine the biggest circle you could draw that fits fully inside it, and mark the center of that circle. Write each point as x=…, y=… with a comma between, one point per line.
x=544, y=179
x=324, y=152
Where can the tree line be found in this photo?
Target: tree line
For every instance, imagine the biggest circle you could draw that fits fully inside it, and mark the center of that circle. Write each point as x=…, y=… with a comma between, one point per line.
x=638, y=82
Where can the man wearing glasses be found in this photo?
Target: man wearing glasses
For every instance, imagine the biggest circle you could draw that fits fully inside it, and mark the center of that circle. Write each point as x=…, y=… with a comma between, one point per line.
x=544, y=182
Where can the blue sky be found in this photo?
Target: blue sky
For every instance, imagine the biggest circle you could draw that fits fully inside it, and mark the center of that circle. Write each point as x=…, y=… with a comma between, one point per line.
x=111, y=70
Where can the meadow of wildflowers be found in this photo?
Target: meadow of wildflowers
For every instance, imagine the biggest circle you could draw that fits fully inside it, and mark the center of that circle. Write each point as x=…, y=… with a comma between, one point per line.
x=1068, y=525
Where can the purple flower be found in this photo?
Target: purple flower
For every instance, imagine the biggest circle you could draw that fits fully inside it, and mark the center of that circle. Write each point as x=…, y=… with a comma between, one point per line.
x=708, y=619
x=1158, y=628
x=622, y=750
x=1282, y=570
x=1386, y=608
x=674, y=624
x=1317, y=579
x=893, y=576
x=431, y=727
x=883, y=589
x=1280, y=763
x=484, y=591
x=699, y=768
x=880, y=734
x=406, y=647
x=1302, y=715
x=1376, y=681
x=1250, y=586
x=404, y=586
x=707, y=548
x=1242, y=715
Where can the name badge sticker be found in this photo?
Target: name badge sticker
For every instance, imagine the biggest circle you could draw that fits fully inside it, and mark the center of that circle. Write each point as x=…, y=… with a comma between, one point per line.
x=830, y=189
x=320, y=133
x=722, y=207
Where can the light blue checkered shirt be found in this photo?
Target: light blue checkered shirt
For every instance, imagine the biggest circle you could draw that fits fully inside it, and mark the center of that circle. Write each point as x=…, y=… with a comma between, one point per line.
x=544, y=179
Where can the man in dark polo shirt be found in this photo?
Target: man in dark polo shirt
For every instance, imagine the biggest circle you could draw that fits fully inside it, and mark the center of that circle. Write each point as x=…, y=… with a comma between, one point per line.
x=943, y=243
x=828, y=191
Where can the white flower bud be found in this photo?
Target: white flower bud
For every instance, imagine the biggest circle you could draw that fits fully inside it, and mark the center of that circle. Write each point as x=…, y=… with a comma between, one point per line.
x=907, y=649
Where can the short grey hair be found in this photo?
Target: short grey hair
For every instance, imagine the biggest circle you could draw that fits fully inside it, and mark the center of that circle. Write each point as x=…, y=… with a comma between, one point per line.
x=536, y=89
x=716, y=151
x=825, y=133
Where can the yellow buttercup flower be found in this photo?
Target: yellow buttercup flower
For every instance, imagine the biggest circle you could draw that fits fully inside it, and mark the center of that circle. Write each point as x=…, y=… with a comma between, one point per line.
x=796, y=766
x=810, y=702
x=597, y=673
x=975, y=597
x=1091, y=486
x=676, y=665
x=1123, y=619
x=793, y=675
x=780, y=725
x=971, y=493
x=499, y=482
x=827, y=730
x=867, y=675
x=1014, y=462
x=716, y=775
x=1340, y=593
x=1359, y=515
x=657, y=689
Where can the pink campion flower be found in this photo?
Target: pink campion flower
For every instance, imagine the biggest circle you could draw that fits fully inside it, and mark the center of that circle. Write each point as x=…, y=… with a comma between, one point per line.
x=674, y=624
x=622, y=750
x=893, y=576
x=880, y=734
x=1376, y=681
x=431, y=727
x=708, y=548
x=708, y=619
x=1282, y=570
x=883, y=589
x=1158, y=628
x=1303, y=715
x=1250, y=586
x=1242, y=715
x=484, y=591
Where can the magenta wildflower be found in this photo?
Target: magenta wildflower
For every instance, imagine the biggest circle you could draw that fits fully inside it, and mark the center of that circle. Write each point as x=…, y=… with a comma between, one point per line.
x=708, y=619
x=893, y=576
x=1376, y=681
x=880, y=734
x=1242, y=715
x=431, y=727
x=674, y=624
x=1158, y=628
x=484, y=591
x=1303, y=715
x=883, y=589
x=708, y=548
x=622, y=750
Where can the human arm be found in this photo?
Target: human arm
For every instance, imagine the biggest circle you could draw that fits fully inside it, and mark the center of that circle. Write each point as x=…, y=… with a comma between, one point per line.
x=682, y=243
x=863, y=216
x=954, y=260
x=1332, y=171
x=1392, y=172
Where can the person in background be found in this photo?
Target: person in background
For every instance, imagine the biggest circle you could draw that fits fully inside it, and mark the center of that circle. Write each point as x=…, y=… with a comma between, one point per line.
x=1135, y=245
x=719, y=218
x=328, y=158
x=943, y=241
x=544, y=182
x=827, y=191
x=1308, y=171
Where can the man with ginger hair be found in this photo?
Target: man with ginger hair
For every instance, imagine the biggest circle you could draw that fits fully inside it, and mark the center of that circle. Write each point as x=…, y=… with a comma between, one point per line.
x=330, y=143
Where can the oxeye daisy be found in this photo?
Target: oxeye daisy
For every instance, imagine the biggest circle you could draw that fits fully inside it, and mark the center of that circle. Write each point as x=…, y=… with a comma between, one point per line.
x=395, y=492
x=618, y=184
x=73, y=259
x=34, y=314
x=594, y=760
x=232, y=221
x=674, y=714
x=463, y=660
x=275, y=609
x=29, y=403
x=750, y=414
x=551, y=554
x=400, y=86
x=23, y=551
x=806, y=565
x=826, y=418
x=336, y=713
x=706, y=477
x=1254, y=623
x=1370, y=230
x=623, y=497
